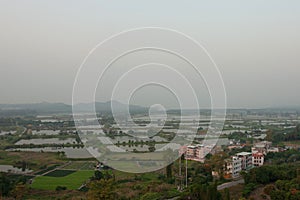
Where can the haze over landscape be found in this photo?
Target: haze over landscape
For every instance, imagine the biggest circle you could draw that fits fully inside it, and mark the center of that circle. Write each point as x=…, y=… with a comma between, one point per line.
x=149, y=100
x=255, y=45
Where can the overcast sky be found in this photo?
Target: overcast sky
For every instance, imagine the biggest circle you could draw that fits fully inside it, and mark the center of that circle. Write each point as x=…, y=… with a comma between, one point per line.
x=256, y=45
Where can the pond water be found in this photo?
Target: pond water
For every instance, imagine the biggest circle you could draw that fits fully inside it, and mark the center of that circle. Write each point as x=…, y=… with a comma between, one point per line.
x=46, y=141
x=12, y=169
x=45, y=132
x=50, y=120
x=84, y=153
x=7, y=132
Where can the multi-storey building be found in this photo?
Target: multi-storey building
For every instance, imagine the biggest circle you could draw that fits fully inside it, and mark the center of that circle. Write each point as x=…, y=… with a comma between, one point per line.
x=233, y=167
x=258, y=159
x=195, y=152
x=246, y=158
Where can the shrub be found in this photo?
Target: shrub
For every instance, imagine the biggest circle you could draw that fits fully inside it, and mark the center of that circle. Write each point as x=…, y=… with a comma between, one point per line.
x=268, y=189
x=151, y=196
x=248, y=189
x=60, y=188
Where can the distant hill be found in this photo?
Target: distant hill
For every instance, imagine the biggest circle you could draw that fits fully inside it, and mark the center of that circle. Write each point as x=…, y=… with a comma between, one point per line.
x=61, y=108
x=8, y=110
x=106, y=107
x=35, y=108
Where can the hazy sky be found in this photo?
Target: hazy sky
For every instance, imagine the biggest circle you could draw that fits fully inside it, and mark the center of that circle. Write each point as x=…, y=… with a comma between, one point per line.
x=256, y=44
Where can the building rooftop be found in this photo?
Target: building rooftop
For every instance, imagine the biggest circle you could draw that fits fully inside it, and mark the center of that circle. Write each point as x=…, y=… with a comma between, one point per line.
x=258, y=155
x=244, y=154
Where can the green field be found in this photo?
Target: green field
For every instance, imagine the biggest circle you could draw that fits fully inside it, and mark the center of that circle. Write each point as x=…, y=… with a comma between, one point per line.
x=72, y=181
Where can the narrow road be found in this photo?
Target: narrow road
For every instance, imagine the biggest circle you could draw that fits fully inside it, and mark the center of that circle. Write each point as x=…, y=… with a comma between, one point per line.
x=230, y=184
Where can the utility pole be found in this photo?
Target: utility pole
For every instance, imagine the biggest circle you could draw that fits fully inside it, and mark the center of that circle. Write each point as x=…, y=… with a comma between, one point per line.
x=180, y=176
x=180, y=182
x=186, y=175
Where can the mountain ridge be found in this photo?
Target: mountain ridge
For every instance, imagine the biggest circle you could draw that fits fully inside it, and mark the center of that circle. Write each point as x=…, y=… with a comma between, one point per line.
x=62, y=108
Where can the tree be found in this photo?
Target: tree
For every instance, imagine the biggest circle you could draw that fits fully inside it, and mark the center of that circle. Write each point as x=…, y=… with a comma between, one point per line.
x=298, y=128
x=205, y=191
x=277, y=195
x=169, y=171
x=269, y=135
x=5, y=184
x=101, y=190
x=19, y=191
x=217, y=162
x=227, y=194
x=151, y=148
x=98, y=175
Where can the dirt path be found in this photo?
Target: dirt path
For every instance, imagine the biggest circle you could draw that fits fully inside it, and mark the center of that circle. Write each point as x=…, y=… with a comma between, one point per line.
x=230, y=184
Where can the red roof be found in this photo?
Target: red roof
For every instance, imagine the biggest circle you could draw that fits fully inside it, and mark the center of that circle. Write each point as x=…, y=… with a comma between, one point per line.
x=258, y=155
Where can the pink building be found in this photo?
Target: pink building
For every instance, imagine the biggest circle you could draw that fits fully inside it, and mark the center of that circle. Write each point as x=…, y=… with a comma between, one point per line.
x=195, y=152
x=258, y=159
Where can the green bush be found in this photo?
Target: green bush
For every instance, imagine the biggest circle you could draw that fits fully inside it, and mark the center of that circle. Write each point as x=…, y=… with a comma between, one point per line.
x=60, y=188
x=248, y=189
x=268, y=189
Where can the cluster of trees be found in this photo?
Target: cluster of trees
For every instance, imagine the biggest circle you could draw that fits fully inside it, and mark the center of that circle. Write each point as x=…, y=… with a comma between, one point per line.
x=136, y=143
x=15, y=146
x=288, y=156
x=167, y=135
x=239, y=136
x=61, y=135
x=35, y=124
x=6, y=184
x=102, y=186
x=283, y=189
x=201, y=185
x=12, y=186
x=101, y=189
x=285, y=135
x=132, y=143
x=216, y=163
x=202, y=191
x=10, y=139
x=269, y=174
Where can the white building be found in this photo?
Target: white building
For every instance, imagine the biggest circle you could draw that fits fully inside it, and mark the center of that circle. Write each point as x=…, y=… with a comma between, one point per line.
x=246, y=158
x=233, y=166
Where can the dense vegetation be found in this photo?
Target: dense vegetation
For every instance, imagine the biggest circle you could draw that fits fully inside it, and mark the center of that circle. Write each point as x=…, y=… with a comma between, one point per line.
x=9, y=184
x=288, y=156
x=288, y=173
x=277, y=136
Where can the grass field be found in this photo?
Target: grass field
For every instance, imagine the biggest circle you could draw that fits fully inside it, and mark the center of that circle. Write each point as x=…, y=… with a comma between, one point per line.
x=72, y=181
x=295, y=142
x=34, y=160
